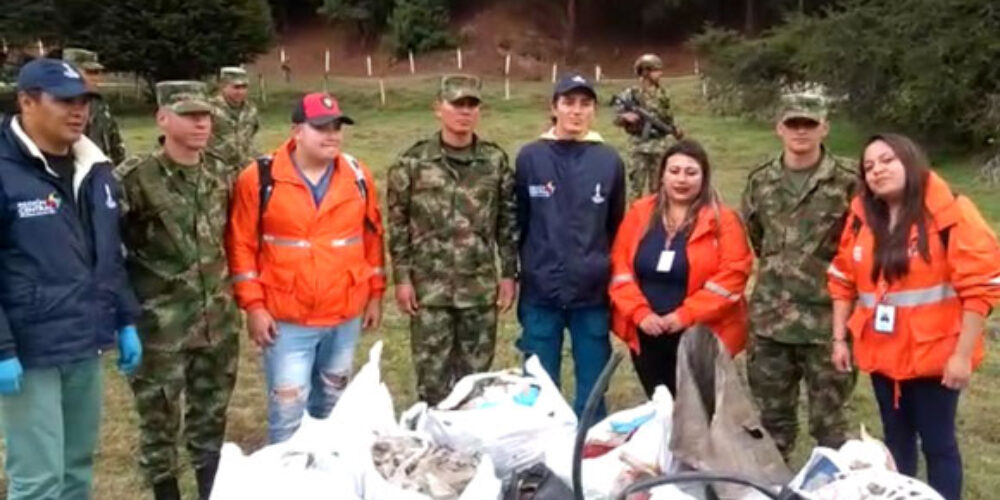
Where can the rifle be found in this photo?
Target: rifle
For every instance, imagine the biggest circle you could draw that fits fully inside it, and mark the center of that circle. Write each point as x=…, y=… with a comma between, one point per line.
x=648, y=122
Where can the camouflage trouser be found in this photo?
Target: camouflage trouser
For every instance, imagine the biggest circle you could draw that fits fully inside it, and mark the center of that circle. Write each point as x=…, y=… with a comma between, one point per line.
x=643, y=174
x=449, y=343
x=775, y=370
x=206, y=377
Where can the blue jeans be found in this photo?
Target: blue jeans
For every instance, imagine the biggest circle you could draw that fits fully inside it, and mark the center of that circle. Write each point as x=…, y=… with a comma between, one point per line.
x=926, y=409
x=542, y=335
x=307, y=368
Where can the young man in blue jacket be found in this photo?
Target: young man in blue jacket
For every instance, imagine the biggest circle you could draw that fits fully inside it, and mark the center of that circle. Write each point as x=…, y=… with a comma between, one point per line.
x=570, y=199
x=64, y=295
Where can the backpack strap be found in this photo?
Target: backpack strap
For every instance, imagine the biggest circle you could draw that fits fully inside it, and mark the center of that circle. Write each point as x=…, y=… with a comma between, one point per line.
x=359, y=175
x=265, y=180
x=362, y=184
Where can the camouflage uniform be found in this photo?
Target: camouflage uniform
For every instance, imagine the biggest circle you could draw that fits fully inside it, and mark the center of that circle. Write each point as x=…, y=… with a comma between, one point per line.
x=795, y=232
x=645, y=155
x=174, y=221
x=235, y=127
x=449, y=217
x=101, y=126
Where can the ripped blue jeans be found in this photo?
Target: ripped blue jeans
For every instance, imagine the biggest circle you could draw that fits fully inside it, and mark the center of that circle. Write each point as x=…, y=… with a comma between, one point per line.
x=307, y=368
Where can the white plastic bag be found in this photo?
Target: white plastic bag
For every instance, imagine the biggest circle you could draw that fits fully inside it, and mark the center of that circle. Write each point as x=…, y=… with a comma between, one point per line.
x=513, y=435
x=645, y=453
x=484, y=485
x=280, y=471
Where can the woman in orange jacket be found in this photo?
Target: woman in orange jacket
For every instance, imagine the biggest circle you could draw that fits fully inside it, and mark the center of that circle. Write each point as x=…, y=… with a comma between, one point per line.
x=921, y=270
x=680, y=257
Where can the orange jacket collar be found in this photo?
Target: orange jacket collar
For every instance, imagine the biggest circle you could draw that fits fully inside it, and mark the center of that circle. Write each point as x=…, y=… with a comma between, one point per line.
x=938, y=199
x=706, y=222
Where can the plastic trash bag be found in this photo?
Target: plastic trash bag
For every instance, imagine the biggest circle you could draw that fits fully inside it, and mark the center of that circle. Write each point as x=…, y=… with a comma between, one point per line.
x=411, y=466
x=508, y=416
x=626, y=446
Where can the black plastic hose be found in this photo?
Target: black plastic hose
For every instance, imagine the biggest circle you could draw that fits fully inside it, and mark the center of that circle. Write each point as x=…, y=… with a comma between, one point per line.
x=586, y=420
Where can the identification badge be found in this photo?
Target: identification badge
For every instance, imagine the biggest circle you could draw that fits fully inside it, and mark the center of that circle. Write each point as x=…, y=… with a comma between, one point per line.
x=666, y=262
x=885, y=318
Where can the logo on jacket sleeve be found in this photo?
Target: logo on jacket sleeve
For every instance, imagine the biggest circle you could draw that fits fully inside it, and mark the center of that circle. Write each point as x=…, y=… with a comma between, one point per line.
x=542, y=190
x=37, y=208
x=598, y=198
x=109, y=201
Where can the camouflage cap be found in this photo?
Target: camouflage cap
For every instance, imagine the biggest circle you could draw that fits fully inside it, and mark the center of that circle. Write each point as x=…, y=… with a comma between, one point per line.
x=81, y=58
x=455, y=87
x=811, y=106
x=183, y=96
x=234, y=75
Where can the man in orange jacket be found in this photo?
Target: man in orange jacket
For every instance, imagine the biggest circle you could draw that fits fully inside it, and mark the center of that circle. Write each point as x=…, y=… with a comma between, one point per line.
x=305, y=253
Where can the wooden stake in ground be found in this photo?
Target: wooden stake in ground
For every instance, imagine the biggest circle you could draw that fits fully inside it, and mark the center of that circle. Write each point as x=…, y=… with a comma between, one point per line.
x=413, y=65
x=262, y=87
x=326, y=71
x=458, y=57
x=369, y=64
x=41, y=48
x=597, y=73
x=555, y=72
x=285, y=68
x=381, y=91
x=697, y=69
x=506, y=88
x=506, y=65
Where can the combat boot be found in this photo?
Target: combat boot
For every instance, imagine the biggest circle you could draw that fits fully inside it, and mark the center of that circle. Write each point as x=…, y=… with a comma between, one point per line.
x=167, y=490
x=205, y=476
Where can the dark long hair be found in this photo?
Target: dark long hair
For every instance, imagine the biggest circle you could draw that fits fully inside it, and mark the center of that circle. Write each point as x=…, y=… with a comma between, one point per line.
x=892, y=245
x=705, y=197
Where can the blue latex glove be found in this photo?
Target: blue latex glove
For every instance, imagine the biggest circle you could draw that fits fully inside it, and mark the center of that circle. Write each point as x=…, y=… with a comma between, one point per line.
x=129, y=350
x=10, y=376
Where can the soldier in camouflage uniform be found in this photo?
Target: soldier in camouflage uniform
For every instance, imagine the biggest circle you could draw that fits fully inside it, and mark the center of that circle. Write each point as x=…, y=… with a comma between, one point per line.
x=451, y=212
x=795, y=206
x=236, y=121
x=101, y=126
x=175, y=218
x=645, y=153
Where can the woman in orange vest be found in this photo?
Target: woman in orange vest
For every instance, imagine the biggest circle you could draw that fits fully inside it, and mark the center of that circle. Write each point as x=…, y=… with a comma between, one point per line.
x=680, y=257
x=921, y=270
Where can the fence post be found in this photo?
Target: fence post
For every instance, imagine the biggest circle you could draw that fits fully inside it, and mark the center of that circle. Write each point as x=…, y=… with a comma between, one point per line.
x=381, y=91
x=368, y=60
x=458, y=57
x=261, y=85
x=413, y=66
x=326, y=71
x=506, y=78
x=555, y=72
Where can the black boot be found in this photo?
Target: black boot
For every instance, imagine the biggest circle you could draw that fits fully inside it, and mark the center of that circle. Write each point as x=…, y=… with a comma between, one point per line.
x=206, y=477
x=167, y=490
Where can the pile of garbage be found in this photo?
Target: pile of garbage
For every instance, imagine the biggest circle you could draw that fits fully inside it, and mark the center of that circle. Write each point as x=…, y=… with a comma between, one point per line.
x=501, y=434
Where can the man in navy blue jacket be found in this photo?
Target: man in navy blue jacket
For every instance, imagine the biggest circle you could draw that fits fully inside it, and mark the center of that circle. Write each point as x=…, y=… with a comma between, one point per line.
x=64, y=295
x=571, y=198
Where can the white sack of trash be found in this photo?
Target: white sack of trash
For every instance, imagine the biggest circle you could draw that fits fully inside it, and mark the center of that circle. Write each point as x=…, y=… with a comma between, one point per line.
x=358, y=453
x=511, y=417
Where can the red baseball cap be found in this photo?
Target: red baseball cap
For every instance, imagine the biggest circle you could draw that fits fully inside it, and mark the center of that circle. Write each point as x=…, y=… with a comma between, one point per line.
x=319, y=109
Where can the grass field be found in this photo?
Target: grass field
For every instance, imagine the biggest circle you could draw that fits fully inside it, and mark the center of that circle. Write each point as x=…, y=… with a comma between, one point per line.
x=735, y=146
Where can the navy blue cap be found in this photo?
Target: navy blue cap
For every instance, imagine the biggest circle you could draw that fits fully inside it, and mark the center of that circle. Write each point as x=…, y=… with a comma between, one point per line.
x=52, y=76
x=571, y=82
